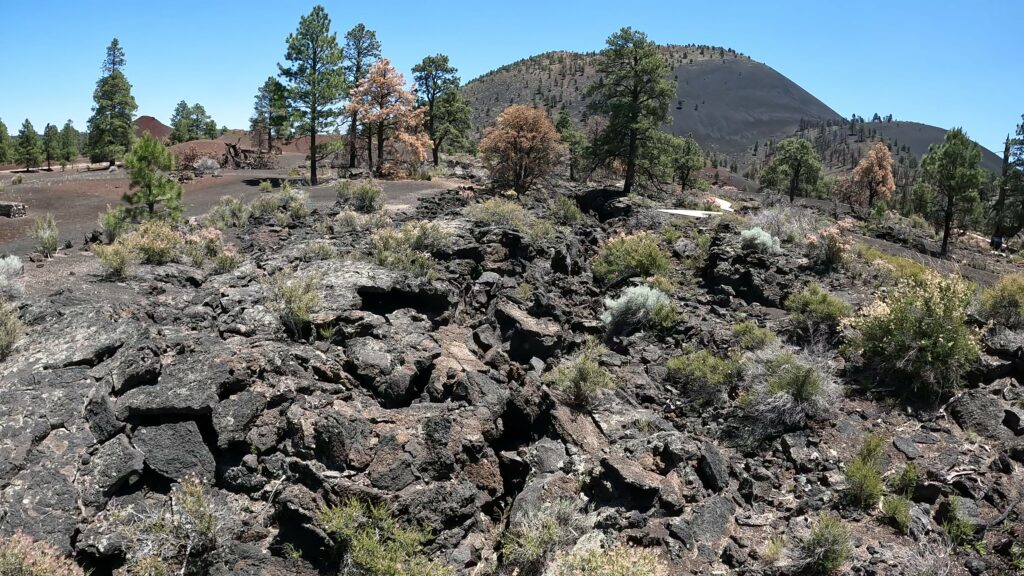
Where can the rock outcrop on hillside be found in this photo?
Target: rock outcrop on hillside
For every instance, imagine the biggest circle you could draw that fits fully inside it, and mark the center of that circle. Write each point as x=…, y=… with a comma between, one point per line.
x=429, y=394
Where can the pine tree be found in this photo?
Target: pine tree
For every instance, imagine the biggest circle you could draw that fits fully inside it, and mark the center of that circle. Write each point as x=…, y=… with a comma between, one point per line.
x=181, y=123
x=874, y=174
x=794, y=167
x=69, y=138
x=51, y=144
x=452, y=122
x=110, y=126
x=361, y=50
x=6, y=146
x=953, y=171
x=574, y=141
x=150, y=187
x=521, y=147
x=434, y=76
x=1008, y=209
x=269, y=120
x=28, y=149
x=315, y=77
x=384, y=104
x=634, y=93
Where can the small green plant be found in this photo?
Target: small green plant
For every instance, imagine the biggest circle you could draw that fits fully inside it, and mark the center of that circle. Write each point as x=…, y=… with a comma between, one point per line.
x=894, y=269
x=10, y=328
x=500, y=212
x=896, y=509
x=44, y=231
x=698, y=258
x=265, y=186
x=365, y=197
x=801, y=382
x=826, y=548
x=317, y=250
x=703, y=371
x=351, y=221
x=408, y=248
x=296, y=203
x=565, y=211
x=264, y=206
x=294, y=299
x=201, y=245
x=157, y=242
x=17, y=180
x=582, y=379
x=119, y=257
x=229, y=213
x=113, y=222
x=616, y=560
x=772, y=552
x=625, y=256
x=750, y=336
x=20, y=555
x=524, y=292
x=529, y=543
x=1004, y=302
x=917, y=339
x=371, y=542
x=664, y=317
x=633, y=309
x=817, y=312
x=906, y=481
x=283, y=219
x=226, y=260
x=957, y=527
x=864, y=473
x=757, y=240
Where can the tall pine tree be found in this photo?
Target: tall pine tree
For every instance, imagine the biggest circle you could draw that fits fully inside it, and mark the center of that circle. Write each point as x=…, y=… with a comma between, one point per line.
x=953, y=169
x=269, y=120
x=6, y=146
x=362, y=50
x=110, y=126
x=314, y=77
x=28, y=150
x=434, y=76
x=68, y=144
x=51, y=144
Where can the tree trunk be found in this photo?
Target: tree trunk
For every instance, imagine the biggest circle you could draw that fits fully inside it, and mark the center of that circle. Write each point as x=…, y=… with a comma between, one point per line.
x=871, y=196
x=437, y=160
x=948, y=224
x=312, y=155
x=793, y=185
x=630, y=164
x=1000, y=205
x=369, y=148
x=380, y=147
x=352, y=158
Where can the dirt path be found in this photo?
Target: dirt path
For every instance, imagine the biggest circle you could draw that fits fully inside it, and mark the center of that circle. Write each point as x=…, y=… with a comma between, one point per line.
x=76, y=200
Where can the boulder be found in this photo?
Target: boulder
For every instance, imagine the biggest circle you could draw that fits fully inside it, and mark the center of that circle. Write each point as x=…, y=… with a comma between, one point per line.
x=175, y=450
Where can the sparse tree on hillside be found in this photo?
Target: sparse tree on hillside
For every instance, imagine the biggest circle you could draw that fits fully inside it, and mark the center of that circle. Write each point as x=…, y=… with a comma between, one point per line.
x=452, y=123
x=794, y=167
x=688, y=158
x=953, y=170
x=150, y=187
x=874, y=174
x=383, y=103
x=1008, y=209
x=434, y=76
x=51, y=144
x=191, y=123
x=181, y=120
x=315, y=78
x=270, y=119
x=6, y=146
x=28, y=150
x=361, y=50
x=521, y=147
x=68, y=151
x=110, y=126
x=634, y=93
x=575, y=143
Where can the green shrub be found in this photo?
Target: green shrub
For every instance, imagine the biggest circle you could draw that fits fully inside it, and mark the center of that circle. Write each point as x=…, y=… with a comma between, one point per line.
x=293, y=299
x=229, y=213
x=226, y=260
x=113, y=222
x=864, y=473
x=265, y=186
x=264, y=206
x=1004, y=302
x=22, y=556
x=317, y=250
x=906, y=481
x=801, y=382
x=750, y=336
x=44, y=231
x=296, y=204
x=529, y=543
x=625, y=256
x=582, y=379
x=757, y=240
x=10, y=329
x=917, y=339
x=156, y=242
x=958, y=528
x=664, y=317
x=201, y=245
x=817, y=312
x=500, y=212
x=895, y=269
x=826, y=548
x=564, y=210
x=282, y=219
x=896, y=509
x=633, y=309
x=408, y=248
x=17, y=179
x=365, y=196
x=371, y=542
x=351, y=221
x=119, y=257
x=702, y=370
x=617, y=560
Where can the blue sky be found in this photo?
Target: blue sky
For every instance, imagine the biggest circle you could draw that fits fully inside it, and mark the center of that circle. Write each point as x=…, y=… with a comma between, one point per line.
x=942, y=62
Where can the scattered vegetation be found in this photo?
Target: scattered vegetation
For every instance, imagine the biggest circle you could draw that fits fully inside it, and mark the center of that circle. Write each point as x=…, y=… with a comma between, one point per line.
x=365, y=197
x=113, y=222
x=799, y=381
x=119, y=257
x=582, y=379
x=229, y=213
x=11, y=268
x=293, y=299
x=565, y=211
x=1004, y=302
x=521, y=148
x=783, y=391
x=317, y=250
x=864, y=473
x=957, y=527
x=530, y=542
x=265, y=186
x=906, y=481
x=787, y=223
x=757, y=240
x=896, y=269
x=896, y=509
x=704, y=373
x=20, y=555
x=157, y=242
x=826, y=548
x=44, y=232
x=626, y=256
x=371, y=542
x=351, y=221
x=633, y=309
x=617, y=560
x=916, y=339
x=750, y=336
x=10, y=328
x=408, y=248
x=826, y=248
x=815, y=312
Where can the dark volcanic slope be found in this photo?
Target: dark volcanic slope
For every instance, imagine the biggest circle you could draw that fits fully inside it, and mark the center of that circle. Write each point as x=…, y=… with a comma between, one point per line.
x=918, y=136
x=728, y=104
